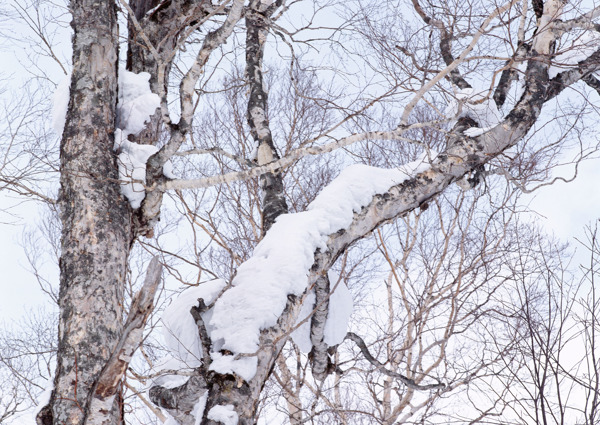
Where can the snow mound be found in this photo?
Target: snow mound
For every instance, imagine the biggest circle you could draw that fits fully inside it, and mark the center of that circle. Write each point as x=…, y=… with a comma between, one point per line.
x=136, y=101
x=132, y=169
x=180, y=332
x=135, y=106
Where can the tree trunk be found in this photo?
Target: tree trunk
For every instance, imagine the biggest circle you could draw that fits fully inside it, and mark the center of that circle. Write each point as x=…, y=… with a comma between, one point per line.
x=271, y=184
x=96, y=231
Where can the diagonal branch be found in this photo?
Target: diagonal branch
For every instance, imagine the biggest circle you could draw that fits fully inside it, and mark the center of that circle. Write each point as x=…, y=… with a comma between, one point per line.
x=410, y=383
x=141, y=307
x=452, y=66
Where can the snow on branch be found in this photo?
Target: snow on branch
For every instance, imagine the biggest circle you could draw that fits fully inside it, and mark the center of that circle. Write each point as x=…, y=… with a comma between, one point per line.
x=135, y=106
x=281, y=262
x=181, y=335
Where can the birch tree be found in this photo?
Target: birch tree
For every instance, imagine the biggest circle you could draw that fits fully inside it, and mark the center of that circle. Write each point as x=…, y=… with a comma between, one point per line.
x=490, y=76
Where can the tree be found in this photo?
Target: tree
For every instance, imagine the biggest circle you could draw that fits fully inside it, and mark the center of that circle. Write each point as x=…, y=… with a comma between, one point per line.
x=120, y=138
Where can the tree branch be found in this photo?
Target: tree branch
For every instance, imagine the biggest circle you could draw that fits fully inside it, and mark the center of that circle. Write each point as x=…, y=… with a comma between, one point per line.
x=410, y=383
x=133, y=332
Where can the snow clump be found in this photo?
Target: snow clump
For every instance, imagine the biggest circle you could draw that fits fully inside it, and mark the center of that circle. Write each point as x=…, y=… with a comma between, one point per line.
x=224, y=414
x=135, y=106
x=180, y=332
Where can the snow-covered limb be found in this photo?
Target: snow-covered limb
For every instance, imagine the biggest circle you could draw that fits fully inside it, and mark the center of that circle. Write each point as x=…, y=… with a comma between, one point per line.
x=579, y=50
x=281, y=262
x=180, y=332
x=338, y=305
x=476, y=105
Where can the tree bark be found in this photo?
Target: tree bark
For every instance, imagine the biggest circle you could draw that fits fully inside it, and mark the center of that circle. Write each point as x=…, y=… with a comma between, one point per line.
x=95, y=218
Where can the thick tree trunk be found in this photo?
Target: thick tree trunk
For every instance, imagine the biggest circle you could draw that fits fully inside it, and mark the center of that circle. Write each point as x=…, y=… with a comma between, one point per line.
x=96, y=234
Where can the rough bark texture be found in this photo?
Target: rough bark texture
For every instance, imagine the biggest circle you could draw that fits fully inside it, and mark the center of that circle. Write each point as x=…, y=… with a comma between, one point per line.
x=95, y=219
x=180, y=401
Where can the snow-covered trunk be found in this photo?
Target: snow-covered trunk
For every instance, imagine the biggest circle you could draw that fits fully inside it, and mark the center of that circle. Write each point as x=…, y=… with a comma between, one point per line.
x=273, y=203
x=96, y=232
